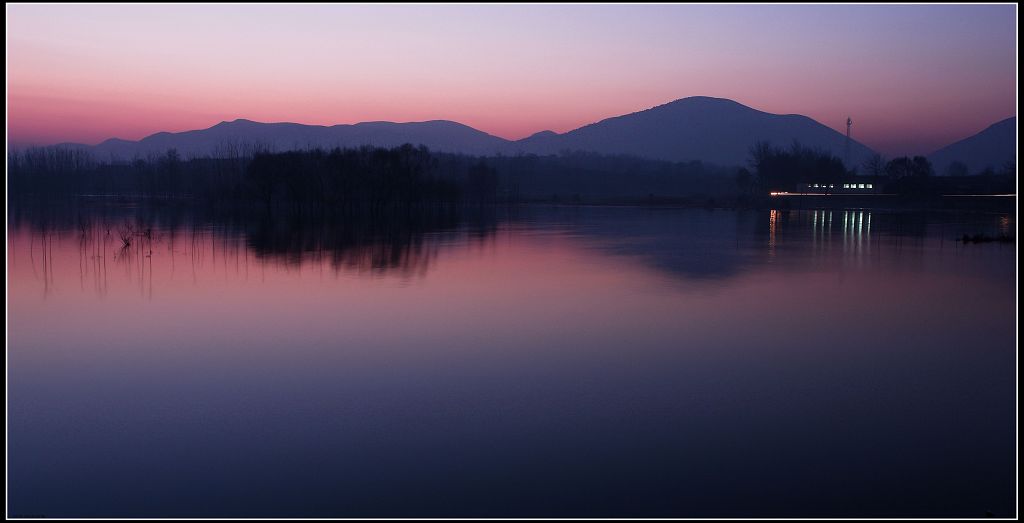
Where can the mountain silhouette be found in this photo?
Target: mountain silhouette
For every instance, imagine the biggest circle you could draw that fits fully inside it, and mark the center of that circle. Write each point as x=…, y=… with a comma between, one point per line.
x=225, y=137
x=711, y=130
x=992, y=147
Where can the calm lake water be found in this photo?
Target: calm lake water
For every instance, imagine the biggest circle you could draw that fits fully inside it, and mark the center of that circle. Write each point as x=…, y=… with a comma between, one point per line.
x=559, y=361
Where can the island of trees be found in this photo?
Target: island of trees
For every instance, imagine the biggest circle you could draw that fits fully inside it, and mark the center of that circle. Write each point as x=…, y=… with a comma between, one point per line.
x=369, y=178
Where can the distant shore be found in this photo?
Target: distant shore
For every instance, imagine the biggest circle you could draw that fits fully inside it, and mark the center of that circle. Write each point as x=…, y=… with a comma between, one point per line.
x=964, y=202
x=981, y=203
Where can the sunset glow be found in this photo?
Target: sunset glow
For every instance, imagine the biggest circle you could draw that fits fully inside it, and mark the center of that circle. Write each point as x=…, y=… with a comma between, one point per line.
x=913, y=78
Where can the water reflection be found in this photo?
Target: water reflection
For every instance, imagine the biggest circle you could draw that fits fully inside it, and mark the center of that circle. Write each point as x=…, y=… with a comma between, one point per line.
x=135, y=243
x=854, y=227
x=700, y=245
x=688, y=244
x=551, y=361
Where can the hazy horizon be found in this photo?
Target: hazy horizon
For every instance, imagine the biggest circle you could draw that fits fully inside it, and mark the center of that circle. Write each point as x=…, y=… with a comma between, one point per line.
x=913, y=78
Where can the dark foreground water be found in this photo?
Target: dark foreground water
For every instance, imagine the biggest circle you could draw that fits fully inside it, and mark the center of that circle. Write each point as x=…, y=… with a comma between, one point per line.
x=563, y=362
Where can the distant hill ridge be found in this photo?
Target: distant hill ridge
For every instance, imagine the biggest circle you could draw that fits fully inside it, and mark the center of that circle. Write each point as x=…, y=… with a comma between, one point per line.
x=713, y=130
x=993, y=147
x=699, y=128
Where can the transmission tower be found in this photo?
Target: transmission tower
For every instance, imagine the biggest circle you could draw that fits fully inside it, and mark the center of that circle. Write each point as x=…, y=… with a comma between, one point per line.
x=846, y=153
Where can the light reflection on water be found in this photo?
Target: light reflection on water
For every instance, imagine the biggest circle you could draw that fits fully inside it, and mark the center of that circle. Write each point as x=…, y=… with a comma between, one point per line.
x=562, y=361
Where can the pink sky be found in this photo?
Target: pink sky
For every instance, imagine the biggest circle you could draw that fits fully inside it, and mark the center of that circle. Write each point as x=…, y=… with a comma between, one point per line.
x=913, y=78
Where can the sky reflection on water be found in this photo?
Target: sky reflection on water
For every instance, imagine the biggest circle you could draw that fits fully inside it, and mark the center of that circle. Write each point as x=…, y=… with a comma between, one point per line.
x=565, y=361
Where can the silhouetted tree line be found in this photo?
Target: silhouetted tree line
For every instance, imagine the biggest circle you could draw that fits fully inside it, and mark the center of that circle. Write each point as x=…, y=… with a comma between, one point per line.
x=319, y=180
x=916, y=177
x=367, y=177
x=911, y=176
x=781, y=169
x=586, y=177
x=305, y=180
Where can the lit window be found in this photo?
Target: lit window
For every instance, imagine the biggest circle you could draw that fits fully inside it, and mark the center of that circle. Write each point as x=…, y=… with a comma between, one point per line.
x=846, y=186
x=831, y=185
x=815, y=186
x=862, y=186
x=869, y=186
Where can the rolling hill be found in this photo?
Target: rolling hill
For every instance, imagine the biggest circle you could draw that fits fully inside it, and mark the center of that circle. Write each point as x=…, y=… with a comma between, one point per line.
x=712, y=130
x=993, y=147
